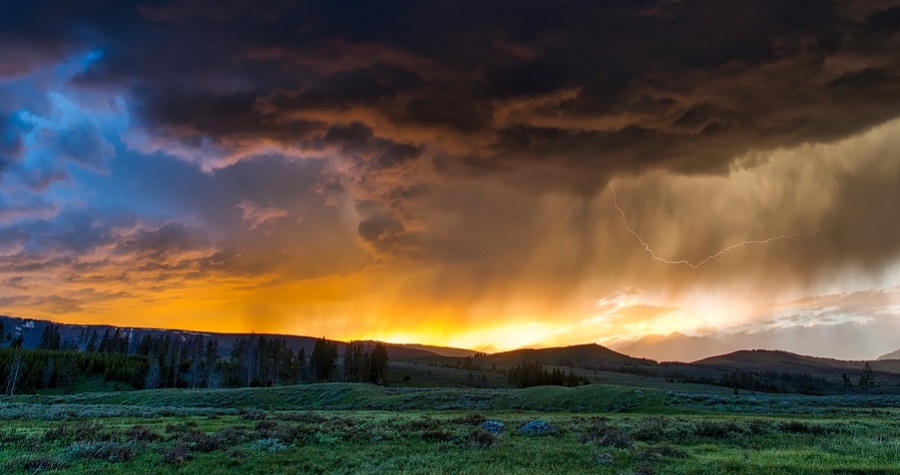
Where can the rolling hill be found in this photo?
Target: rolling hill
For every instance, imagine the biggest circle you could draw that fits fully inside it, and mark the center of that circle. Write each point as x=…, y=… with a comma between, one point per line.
x=585, y=356
x=783, y=361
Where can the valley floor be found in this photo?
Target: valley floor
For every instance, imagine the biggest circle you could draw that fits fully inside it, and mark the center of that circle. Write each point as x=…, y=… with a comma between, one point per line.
x=359, y=429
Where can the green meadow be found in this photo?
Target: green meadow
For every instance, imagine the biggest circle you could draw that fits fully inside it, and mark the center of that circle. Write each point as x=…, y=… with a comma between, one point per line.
x=365, y=429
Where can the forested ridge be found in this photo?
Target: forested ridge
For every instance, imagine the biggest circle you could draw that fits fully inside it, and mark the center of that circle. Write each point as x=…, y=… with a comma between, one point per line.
x=165, y=361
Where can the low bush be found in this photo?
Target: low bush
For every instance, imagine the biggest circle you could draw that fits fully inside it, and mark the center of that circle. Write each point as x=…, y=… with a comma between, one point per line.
x=199, y=441
x=717, y=430
x=469, y=419
x=308, y=417
x=798, y=427
x=232, y=435
x=664, y=450
x=268, y=445
x=253, y=415
x=483, y=439
x=265, y=425
x=141, y=434
x=437, y=435
x=81, y=431
x=113, y=452
x=616, y=438
x=175, y=454
x=34, y=464
x=181, y=428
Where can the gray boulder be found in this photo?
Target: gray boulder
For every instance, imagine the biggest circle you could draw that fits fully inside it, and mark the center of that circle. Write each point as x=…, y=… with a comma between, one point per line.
x=494, y=427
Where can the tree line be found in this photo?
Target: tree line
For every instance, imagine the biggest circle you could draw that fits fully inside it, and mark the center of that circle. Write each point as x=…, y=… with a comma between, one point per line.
x=533, y=373
x=167, y=361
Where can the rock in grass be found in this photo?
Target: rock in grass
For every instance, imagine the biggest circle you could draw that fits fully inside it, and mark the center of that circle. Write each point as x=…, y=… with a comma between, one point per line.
x=536, y=427
x=494, y=427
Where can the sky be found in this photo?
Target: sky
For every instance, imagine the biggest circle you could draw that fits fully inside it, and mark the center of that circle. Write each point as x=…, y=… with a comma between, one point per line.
x=488, y=175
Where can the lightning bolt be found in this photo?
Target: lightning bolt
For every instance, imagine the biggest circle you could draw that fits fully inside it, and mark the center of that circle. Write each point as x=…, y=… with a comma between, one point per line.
x=697, y=265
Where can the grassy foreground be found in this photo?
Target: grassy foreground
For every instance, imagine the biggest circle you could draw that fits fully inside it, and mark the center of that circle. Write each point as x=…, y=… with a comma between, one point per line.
x=358, y=429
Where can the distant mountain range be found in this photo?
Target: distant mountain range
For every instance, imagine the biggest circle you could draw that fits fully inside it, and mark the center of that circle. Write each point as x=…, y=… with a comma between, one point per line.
x=675, y=347
x=772, y=370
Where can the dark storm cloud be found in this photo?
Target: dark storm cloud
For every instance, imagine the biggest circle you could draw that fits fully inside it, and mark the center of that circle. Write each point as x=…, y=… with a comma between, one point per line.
x=598, y=89
x=405, y=96
x=226, y=71
x=546, y=95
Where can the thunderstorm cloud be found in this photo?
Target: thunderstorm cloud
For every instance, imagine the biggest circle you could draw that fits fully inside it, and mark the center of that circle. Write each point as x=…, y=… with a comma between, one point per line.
x=441, y=171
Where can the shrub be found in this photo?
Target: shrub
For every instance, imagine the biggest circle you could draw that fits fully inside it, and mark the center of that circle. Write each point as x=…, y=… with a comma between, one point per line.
x=268, y=445
x=644, y=470
x=141, y=434
x=308, y=417
x=605, y=458
x=35, y=464
x=759, y=427
x=304, y=433
x=232, y=435
x=595, y=430
x=717, y=430
x=12, y=437
x=483, y=439
x=201, y=441
x=423, y=424
x=656, y=428
x=265, y=425
x=78, y=431
x=664, y=450
x=798, y=427
x=437, y=435
x=469, y=419
x=175, y=454
x=324, y=438
x=109, y=451
x=238, y=454
x=188, y=426
x=252, y=415
x=616, y=438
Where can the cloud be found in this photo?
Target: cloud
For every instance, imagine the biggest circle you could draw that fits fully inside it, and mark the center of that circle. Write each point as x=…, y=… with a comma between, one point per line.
x=258, y=215
x=456, y=160
x=19, y=207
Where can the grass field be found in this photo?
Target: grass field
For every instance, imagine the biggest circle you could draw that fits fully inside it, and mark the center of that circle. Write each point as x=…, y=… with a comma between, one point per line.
x=360, y=429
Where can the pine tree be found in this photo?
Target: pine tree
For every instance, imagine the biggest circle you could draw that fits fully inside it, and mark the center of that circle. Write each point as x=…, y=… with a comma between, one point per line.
x=867, y=378
x=301, y=364
x=104, y=343
x=154, y=374
x=323, y=360
x=50, y=338
x=146, y=345
x=92, y=343
x=47, y=377
x=378, y=364
x=212, y=357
